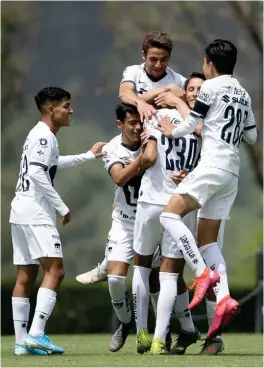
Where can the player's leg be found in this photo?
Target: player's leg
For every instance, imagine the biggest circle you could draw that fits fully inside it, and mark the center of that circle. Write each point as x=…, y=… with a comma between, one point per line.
x=119, y=258
x=191, y=194
x=27, y=272
x=45, y=245
x=94, y=276
x=215, y=345
x=147, y=235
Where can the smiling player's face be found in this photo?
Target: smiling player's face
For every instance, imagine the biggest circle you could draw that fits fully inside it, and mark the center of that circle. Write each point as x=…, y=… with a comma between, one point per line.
x=131, y=128
x=192, y=90
x=61, y=113
x=156, y=61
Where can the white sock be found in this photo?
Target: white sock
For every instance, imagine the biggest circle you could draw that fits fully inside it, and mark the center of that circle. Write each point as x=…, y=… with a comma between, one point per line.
x=140, y=291
x=184, y=240
x=215, y=260
x=20, y=307
x=120, y=298
x=46, y=299
x=210, y=310
x=182, y=312
x=154, y=301
x=104, y=265
x=168, y=294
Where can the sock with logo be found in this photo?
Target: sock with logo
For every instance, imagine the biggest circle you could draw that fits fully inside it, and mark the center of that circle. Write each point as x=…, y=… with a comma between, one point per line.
x=46, y=299
x=182, y=312
x=168, y=294
x=140, y=291
x=20, y=307
x=184, y=240
x=214, y=259
x=120, y=298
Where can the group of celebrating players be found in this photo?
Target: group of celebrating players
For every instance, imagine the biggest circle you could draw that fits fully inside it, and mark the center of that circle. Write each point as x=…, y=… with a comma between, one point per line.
x=176, y=167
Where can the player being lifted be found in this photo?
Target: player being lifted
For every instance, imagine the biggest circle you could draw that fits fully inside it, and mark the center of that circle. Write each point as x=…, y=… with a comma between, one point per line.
x=139, y=86
x=225, y=107
x=35, y=237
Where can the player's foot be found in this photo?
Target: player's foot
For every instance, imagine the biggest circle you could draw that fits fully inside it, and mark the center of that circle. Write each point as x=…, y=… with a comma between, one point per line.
x=225, y=310
x=184, y=340
x=168, y=341
x=23, y=350
x=42, y=342
x=158, y=347
x=144, y=341
x=92, y=277
x=212, y=346
x=119, y=337
x=202, y=283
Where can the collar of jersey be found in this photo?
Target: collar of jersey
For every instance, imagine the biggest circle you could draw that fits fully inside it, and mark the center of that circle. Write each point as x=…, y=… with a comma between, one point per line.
x=44, y=124
x=129, y=147
x=154, y=79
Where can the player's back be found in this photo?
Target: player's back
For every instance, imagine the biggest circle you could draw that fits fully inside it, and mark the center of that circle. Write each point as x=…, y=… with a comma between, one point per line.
x=173, y=155
x=230, y=112
x=126, y=196
x=29, y=206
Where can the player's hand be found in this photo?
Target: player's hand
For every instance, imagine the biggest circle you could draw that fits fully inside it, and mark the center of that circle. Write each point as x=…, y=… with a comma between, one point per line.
x=145, y=110
x=177, y=178
x=166, y=99
x=165, y=126
x=66, y=219
x=177, y=91
x=97, y=149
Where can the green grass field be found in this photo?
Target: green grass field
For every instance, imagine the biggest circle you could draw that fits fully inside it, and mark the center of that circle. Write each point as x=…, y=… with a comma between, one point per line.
x=241, y=350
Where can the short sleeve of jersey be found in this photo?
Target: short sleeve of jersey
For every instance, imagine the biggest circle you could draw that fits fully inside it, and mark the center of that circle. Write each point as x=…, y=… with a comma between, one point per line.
x=41, y=151
x=204, y=99
x=130, y=74
x=110, y=158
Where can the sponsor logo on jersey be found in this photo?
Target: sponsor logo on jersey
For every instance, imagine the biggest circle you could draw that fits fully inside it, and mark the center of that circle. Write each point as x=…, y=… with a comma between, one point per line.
x=240, y=101
x=40, y=153
x=226, y=98
x=203, y=96
x=56, y=237
x=43, y=141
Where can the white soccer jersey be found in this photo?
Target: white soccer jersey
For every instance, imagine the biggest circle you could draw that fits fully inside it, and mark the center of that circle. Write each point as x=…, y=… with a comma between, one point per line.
x=173, y=155
x=144, y=82
x=125, y=197
x=225, y=107
x=36, y=200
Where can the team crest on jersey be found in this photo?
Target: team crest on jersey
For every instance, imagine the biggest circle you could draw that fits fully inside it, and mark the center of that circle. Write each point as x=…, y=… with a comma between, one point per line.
x=43, y=141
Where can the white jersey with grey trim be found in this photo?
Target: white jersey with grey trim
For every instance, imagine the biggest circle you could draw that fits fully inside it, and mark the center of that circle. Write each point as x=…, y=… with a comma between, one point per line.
x=35, y=198
x=143, y=82
x=125, y=197
x=173, y=155
x=226, y=108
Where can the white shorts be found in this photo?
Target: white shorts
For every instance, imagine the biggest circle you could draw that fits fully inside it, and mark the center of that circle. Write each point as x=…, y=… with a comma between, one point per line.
x=31, y=242
x=149, y=233
x=119, y=245
x=214, y=189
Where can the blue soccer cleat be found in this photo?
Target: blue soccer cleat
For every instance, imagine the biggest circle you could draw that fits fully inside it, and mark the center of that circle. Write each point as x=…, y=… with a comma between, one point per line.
x=42, y=342
x=23, y=350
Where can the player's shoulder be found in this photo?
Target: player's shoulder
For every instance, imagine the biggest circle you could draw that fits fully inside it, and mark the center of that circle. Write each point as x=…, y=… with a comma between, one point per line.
x=174, y=74
x=134, y=68
x=41, y=134
x=114, y=143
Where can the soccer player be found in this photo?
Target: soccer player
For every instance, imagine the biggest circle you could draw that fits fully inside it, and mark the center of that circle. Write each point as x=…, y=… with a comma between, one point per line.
x=122, y=157
x=139, y=86
x=225, y=107
x=35, y=237
x=142, y=83
x=162, y=158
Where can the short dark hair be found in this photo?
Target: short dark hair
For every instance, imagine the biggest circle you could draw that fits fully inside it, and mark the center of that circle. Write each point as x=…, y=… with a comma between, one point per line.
x=223, y=55
x=157, y=39
x=50, y=94
x=122, y=109
x=193, y=75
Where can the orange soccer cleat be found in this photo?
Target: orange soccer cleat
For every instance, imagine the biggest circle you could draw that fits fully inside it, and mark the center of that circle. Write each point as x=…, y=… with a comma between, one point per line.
x=225, y=310
x=202, y=283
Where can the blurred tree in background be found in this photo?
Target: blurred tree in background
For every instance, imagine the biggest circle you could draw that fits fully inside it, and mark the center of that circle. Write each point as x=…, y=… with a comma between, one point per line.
x=86, y=52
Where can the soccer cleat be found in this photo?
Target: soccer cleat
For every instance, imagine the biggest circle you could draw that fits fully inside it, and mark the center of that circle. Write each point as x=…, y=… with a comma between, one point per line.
x=184, y=340
x=212, y=346
x=168, y=341
x=42, y=342
x=119, y=337
x=98, y=274
x=225, y=310
x=143, y=341
x=23, y=350
x=158, y=347
x=202, y=283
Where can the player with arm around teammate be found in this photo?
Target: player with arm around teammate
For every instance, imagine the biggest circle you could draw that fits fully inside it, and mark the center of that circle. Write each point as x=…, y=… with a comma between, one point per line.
x=34, y=234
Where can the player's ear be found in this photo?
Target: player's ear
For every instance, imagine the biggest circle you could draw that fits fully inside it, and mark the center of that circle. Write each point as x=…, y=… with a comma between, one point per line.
x=50, y=109
x=119, y=123
x=143, y=55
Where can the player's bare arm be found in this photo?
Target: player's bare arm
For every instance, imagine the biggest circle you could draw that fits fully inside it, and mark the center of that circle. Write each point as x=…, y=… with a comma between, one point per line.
x=149, y=156
x=122, y=174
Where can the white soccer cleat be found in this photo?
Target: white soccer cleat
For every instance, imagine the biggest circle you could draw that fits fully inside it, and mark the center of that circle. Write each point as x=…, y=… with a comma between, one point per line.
x=98, y=274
